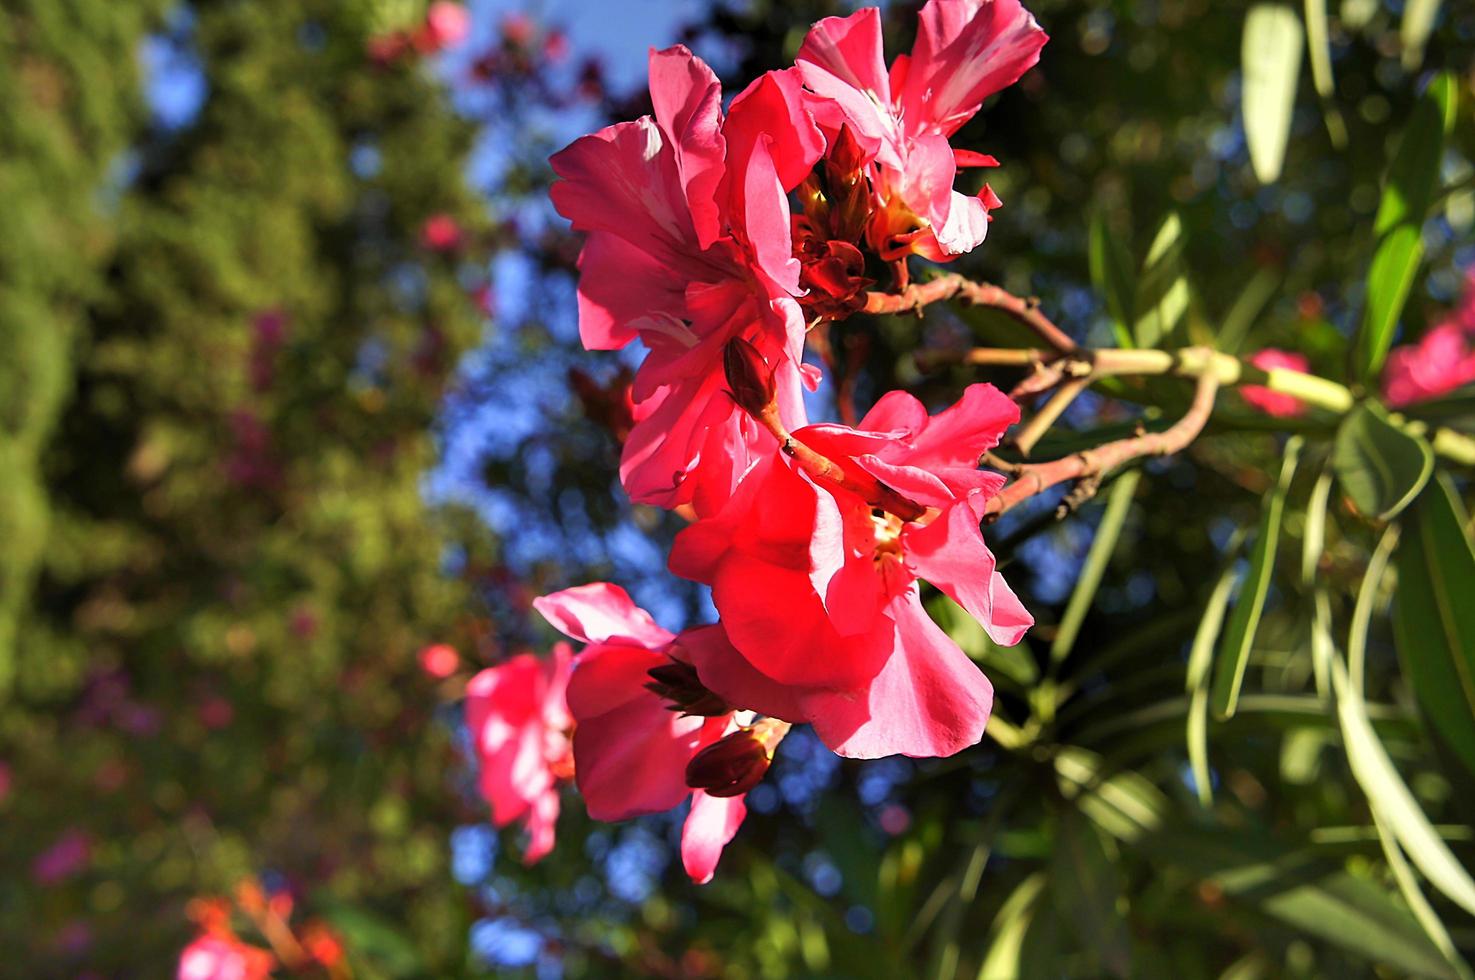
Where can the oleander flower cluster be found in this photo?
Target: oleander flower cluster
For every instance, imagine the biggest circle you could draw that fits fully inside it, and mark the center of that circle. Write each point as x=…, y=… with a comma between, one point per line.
x=717, y=238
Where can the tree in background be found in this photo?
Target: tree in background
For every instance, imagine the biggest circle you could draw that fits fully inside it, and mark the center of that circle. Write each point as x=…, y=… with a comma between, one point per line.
x=250, y=326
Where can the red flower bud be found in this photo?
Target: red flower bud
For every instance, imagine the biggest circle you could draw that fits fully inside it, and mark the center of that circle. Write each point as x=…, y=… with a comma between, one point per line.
x=847, y=155
x=748, y=376
x=730, y=766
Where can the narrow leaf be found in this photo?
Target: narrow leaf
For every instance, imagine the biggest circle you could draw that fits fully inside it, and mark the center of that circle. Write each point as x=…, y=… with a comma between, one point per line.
x=1395, y=804
x=1111, y=274
x=1318, y=42
x=1162, y=289
x=1006, y=936
x=1248, y=304
x=1381, y=466
x=1409, y=189
x=1239, y=635
x=1200, y=659
x=1270, y=56
x=1414, y=31
x=1408, y=885
x=1434, y=617
x=1087, y=887
x=1118, y=502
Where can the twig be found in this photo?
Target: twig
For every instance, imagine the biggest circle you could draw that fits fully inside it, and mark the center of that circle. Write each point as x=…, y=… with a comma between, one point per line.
x=1094, y=463
x=1026, y=310
x=1041, y=421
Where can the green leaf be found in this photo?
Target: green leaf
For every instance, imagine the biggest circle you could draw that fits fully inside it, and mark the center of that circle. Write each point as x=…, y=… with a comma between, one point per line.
x=1434, y=617
x=1162, y=289
x=1412, y=178
x=1297, y=887
x=1239, y=635
x=1006, y=935
x=1390, y=796
x=1270, y=55
x=1381, y=466
x=1118, y=502
x=1248, y=304
x=1086, y=884
x=1408, y=886
x=1200, y=659
x=1124, y=804
x=1418, y=23
x=1319, y=44
x=1111, y=274
x=377, y=940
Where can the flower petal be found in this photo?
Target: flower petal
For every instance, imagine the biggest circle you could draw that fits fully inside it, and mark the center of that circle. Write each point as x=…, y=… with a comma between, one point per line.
x=711, y=824
x=601, y=613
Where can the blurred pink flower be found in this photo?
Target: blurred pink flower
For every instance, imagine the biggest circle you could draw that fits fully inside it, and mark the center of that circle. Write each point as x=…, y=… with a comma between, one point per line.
x=216, y=712
x=439, y=660
x=1273, y=402
x=221, y=956
x=440, y=233
x=446, y=25
x=6, y=781
x=63, y=859
x=519, y=721
x=1442, y=360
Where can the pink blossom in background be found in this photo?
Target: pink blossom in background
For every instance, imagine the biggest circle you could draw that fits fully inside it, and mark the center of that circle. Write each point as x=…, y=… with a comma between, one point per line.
x=221, y=956
x=688, y=245
x=631, y=750
x=966, y=50
x=6, y=781
x=440, y=233
x=1442, y=360
x=439, y=660
x=1274, y=402
x=447, y=24
x=817, y=587
x=517, y=713
x=70, y=854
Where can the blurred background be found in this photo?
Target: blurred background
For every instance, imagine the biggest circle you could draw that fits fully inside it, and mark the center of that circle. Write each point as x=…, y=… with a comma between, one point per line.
x=291, y=399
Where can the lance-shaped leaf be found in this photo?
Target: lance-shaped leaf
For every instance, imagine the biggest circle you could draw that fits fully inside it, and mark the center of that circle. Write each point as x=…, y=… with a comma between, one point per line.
x=1270, y=57
x=1111, y=274
x=1086, y=884
x=1244, y=620
x=1118, y=502
x=1390, y=796
x=1412, y=178
x=1414, y=31
x=1297, y=887
x=1434, y=616
x=1381, y=466
x=1162, y=289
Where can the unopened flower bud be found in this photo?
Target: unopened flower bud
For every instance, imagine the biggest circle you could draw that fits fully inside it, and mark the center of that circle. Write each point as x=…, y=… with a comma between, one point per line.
x=748, y=376
x=729, y=767
x=847, y=155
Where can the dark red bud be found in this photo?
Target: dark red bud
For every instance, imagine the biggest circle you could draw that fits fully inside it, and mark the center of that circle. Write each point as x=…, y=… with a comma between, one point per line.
x=730, y=766
x=847, y=154
x=748, y=376
x=678, y=684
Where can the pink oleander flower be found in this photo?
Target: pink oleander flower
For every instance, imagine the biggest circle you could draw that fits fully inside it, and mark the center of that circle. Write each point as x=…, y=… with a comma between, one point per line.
x=439, y=660
x=817, y=585
x=219, y=955
x=688, y=245
x=440, y=233
x=647, y=732
x=1441, y=361
x=1270, y=402
x=519, y=721
x=447, y=24
x=966, y=50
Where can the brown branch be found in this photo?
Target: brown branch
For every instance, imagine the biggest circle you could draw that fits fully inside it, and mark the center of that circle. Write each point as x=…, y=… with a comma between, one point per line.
x=1026, y=310
x=1093, y=464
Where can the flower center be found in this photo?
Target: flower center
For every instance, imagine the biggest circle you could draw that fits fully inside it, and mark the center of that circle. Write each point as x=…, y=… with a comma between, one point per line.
x=887, y=528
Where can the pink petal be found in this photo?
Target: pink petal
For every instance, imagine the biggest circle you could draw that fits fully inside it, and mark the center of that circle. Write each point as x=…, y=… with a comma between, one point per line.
x=726, y=673
x=929, y=699
x=841, y=61
x=961, y=433
x=541, y=824
x=711, y=824
x=600, y=613
x=966, y=50
x=951, y=554
x=630, y=753
x=687, y=100
x=773, y=110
